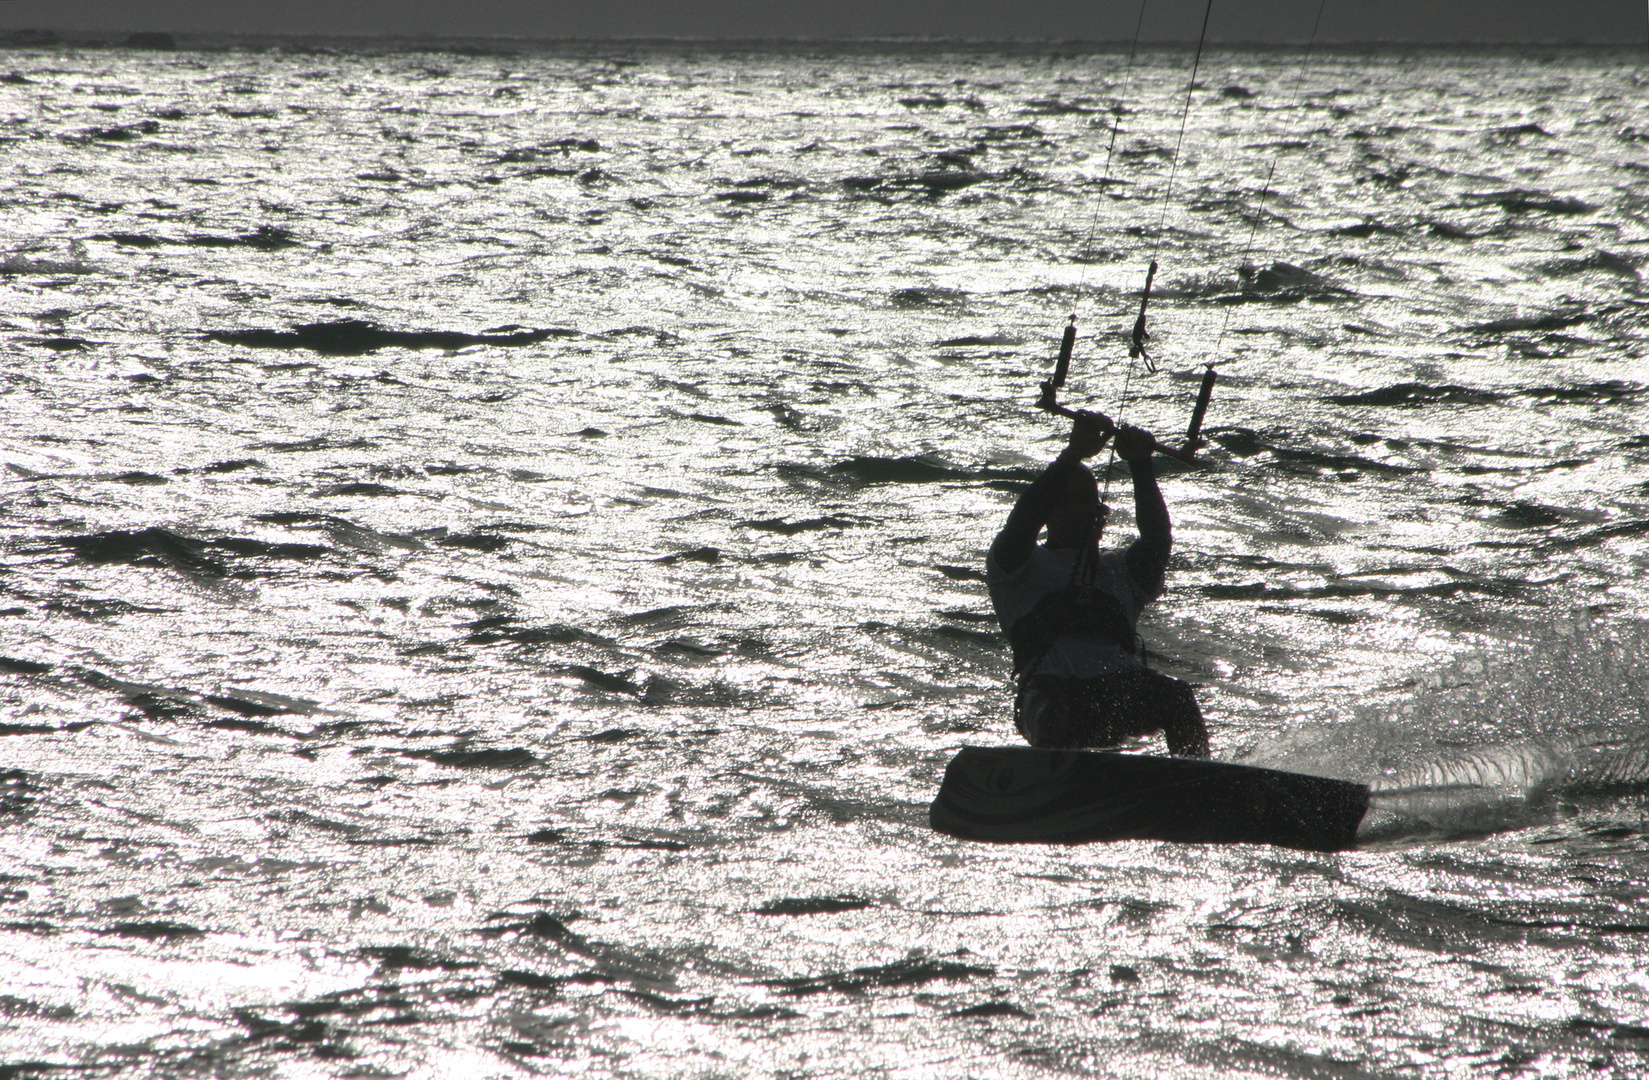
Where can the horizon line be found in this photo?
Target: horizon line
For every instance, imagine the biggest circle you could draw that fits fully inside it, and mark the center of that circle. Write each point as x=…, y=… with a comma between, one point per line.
x=46, y=37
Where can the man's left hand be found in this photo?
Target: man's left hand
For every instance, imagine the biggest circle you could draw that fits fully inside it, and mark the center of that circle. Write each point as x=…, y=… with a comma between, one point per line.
x=1135, y=443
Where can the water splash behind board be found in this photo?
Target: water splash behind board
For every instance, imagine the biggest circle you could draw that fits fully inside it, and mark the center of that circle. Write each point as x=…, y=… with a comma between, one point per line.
x=1505, y=737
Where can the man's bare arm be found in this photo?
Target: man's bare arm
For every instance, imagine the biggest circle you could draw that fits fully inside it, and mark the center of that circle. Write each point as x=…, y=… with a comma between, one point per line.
x=1147, y=557
x=1016, y=541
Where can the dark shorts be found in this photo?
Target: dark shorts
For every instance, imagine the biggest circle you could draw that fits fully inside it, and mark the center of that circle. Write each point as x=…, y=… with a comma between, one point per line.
x=1058, y=713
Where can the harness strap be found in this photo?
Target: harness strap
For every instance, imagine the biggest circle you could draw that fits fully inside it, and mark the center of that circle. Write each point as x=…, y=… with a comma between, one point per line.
x=1074, y=610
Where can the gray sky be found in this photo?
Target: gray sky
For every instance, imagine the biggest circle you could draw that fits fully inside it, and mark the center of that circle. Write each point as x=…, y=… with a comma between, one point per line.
x=1624, y=22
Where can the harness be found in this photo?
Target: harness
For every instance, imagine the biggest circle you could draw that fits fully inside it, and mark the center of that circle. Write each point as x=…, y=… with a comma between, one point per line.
x=1080, y=608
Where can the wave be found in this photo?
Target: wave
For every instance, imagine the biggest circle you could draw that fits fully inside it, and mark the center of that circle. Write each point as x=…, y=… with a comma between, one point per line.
x=1414, y=394
x=1342, y=590
x=1553, y=320
x=1524, y=201
x=923, y=469
x=1601, y=261
x=356, y=337
x=916, y=297
x=23, y=262
x=263, y=238
x=1246, y=442
x=1279, y=283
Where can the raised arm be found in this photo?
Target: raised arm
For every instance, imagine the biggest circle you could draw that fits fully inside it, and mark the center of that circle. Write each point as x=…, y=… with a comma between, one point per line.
x=1148, y=556
x=1016, y=541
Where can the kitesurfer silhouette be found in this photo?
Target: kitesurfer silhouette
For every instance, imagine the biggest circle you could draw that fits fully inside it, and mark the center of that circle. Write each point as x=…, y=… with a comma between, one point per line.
x=1069, y=609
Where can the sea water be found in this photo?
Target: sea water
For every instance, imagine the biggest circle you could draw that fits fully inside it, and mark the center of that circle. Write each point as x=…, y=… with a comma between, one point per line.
x=492, y=546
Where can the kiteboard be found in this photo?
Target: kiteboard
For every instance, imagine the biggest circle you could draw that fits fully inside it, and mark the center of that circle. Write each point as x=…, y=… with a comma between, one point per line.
x=1023, y=795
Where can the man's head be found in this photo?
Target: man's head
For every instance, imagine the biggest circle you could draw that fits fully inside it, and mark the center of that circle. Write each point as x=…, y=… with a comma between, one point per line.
x=1079, y=517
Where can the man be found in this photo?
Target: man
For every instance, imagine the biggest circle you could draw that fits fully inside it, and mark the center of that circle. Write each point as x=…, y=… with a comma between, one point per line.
x=1070, y=609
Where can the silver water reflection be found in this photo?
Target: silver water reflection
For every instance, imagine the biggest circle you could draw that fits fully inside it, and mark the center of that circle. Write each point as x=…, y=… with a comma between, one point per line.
x=561, y=687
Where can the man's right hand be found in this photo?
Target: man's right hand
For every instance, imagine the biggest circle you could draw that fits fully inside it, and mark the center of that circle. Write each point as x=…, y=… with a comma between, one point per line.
x=1089, y=434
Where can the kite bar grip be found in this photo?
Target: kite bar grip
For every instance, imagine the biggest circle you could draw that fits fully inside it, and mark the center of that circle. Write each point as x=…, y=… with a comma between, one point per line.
x=1062, y=366
x=1048, y=404
x=1204, y=396
x=1186, y=454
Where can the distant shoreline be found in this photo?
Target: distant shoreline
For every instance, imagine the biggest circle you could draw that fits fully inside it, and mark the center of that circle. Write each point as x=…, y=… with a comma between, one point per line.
x=141, y=40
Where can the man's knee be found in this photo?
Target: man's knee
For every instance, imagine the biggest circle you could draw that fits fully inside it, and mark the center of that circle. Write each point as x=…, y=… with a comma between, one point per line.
x=1041, y=712
x=1183, y=729
x=1185, y=698
x=1170, y=696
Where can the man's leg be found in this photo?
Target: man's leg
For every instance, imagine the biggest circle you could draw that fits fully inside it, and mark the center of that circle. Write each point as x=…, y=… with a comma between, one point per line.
x=1098, y=712
x=1182, y=724
x=1043, y=712
x=1147, y=702
x=1070, y=714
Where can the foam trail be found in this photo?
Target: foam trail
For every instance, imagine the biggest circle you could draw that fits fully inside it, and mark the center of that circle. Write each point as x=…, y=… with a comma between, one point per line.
x=1497, y=788
x=1611, y=768
x=1520, y=769
x=1489, y=789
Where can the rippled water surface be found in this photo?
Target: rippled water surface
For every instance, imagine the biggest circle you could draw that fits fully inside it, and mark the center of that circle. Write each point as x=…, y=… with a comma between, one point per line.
x=492, y=552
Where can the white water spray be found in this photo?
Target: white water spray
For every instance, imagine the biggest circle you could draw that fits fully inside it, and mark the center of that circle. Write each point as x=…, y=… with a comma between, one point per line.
x=1499, y=739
